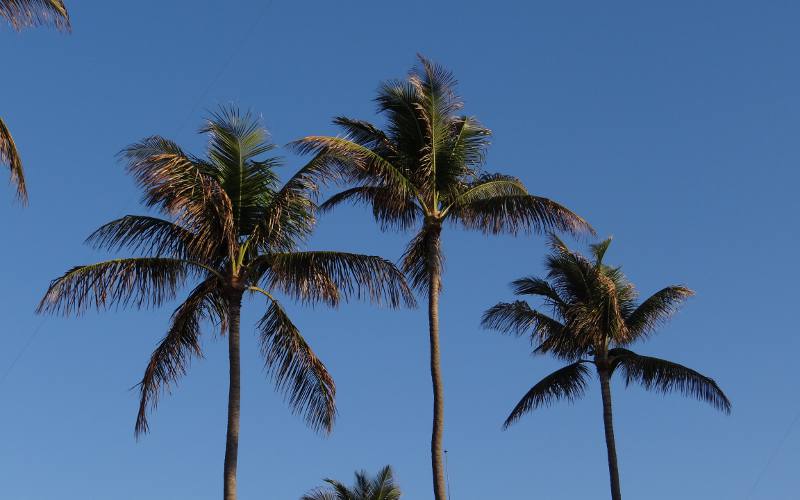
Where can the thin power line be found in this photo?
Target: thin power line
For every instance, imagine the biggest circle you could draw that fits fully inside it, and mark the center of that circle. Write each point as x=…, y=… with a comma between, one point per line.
x=774, y=454
x=27, y=344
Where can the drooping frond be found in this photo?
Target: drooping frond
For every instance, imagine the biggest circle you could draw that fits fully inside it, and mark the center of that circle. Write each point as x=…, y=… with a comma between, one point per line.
x=488, y=186
x=296, y=370
x=567, y=383
x=171, y=358
x=389, y=210
x=665, y=377
x=10, y=156
x=515, y=213
x=150, y=236
x=422, y=256
x=656, y=310
x=519, y=319
x=141, y=282
x=332, y=276
x=28, y=13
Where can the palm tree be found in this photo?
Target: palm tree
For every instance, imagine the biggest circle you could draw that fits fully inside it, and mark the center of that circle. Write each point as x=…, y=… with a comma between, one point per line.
x=232, y=230
x=595, y=319
x=381, y=487
x=21, y=14
x=424, y=170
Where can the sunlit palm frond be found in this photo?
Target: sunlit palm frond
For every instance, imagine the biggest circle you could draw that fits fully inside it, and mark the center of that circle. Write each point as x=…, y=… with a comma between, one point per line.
x=140, y=282
x=296, y=370
x=367, y=135
x=10, y=156
x=170, y=360
x=488, y=187
x=567, y=383
x=28, y=13
x=665, y=377
x=332, y=276
x=656, y=310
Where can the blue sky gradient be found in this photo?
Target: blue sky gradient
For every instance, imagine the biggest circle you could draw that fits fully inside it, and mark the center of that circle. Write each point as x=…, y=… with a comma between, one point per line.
x=673, y=127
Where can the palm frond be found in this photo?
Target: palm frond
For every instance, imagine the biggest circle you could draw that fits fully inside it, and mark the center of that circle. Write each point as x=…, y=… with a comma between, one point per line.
x=514, y=213
x=531, y=285
x=296, y=370
x=141, y=282
x=665, y=377
x=567, y=383
x=380, y=487
x=332, y=276
x=422, y=256
x=10, y=156
x=28, y=13
x=519, y=319
x=170, y=360
x=389, y=209
x=150, y=236
x=656, y=310
x=488, y=187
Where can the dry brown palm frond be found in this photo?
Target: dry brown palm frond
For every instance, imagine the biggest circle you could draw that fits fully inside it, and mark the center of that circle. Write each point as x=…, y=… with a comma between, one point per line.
x=28, y=13
x=10, y=156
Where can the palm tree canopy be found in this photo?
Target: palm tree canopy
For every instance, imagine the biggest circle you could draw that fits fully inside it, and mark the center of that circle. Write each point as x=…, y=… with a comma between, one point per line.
x=380, y=487
x=230, y=228
x=592, y=315
x=427, y=165
x=27, y=13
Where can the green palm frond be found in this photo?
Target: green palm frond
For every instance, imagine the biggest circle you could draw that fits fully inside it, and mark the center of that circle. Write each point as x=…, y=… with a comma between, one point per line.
x=487, y=188
x=28, y=13
x=170, y=360
x=656, y=310
x=567, y=383
x=140, y=282
x=380, y=487
x=10, y=156
x=296, y=370
x=332, y=276
x=665, y=377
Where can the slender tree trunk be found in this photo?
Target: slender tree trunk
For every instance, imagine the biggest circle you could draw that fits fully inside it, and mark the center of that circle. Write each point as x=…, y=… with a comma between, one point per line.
x=611, y=446
x=439, y=485
x=232, y=436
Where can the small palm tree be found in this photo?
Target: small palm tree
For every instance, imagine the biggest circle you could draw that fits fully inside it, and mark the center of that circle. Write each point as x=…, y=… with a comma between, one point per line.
x=21, y=14
x=381, y=487
x=424, y=170
x=596, y=318
x=233, y=230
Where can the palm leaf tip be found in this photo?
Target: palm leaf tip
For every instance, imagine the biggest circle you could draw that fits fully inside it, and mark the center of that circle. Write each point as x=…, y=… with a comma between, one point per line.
x=10, y=156
x=29, y=13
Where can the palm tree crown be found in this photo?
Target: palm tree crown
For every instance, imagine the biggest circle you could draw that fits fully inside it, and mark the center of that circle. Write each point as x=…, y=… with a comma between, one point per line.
x=380, y=487
x=233, y=230
x=596, y=318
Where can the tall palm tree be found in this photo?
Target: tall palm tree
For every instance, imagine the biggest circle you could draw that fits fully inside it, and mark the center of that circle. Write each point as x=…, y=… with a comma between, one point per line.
x=21, y=14
x=381, y=487
x=595, y=319
x=424, y=170
x=232, y=230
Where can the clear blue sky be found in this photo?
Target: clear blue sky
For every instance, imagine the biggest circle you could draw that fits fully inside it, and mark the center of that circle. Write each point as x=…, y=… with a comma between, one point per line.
x=673, y=127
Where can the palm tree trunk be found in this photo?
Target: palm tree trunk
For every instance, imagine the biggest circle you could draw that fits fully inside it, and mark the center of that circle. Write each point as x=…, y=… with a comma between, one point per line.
x=611, y=446
x=234, y=389
x=439, y=485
